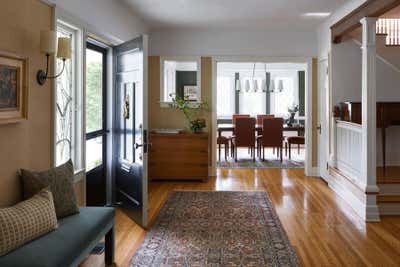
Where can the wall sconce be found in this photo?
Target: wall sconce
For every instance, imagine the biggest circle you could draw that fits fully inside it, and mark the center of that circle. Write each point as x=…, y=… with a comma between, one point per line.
x=48, y=43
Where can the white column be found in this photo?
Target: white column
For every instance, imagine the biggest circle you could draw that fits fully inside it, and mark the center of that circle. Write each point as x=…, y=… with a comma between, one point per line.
x=368, y=156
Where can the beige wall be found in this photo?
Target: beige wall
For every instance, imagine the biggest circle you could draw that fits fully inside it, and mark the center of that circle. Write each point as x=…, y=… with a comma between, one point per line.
x=26, y=144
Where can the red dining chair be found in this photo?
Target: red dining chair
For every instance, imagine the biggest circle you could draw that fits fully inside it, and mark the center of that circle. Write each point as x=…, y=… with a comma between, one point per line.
x=260, y=118
x=296, y=140
x=244, y=135
x=272, y=136
x=237, y=116
x=225, y=142
x=234, y=117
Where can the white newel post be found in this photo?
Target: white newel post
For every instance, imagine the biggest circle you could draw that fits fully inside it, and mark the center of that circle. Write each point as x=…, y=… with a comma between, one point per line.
x=368, y=157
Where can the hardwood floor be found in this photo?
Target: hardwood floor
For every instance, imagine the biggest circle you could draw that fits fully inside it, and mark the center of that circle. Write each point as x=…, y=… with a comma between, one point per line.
x=389, y=176
x=323, y=229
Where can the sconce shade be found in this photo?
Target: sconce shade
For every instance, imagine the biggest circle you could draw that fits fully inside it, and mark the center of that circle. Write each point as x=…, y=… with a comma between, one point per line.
x=48, y=42
x=247, y=86
x=238, y=86
x=264, y=86
x=255, y=85
x=64, y=48
x=272, y=86
x=280, y=86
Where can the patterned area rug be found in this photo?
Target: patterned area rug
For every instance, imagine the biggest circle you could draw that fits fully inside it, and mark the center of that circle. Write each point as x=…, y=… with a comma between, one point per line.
x=259, y=164
x=216, y=229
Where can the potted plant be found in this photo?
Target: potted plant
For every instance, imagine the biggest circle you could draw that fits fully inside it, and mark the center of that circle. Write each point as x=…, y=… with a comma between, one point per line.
x=192, y=112
x=292, y=112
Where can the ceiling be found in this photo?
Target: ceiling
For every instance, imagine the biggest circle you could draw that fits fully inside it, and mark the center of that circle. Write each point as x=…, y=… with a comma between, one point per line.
x=393, y=13
x=232, y=14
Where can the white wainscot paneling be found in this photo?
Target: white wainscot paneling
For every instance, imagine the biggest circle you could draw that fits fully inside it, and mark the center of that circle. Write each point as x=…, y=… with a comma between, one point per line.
x=348, y=149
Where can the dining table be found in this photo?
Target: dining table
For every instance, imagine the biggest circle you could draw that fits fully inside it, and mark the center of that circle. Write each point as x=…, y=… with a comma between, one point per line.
x=225, y=127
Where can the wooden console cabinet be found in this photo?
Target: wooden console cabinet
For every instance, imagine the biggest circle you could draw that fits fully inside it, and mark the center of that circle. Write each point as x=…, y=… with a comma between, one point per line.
x=178, y=157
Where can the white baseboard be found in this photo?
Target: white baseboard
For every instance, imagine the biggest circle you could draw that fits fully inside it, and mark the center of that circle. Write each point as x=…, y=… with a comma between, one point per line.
x=314, y=171
x=366, y=208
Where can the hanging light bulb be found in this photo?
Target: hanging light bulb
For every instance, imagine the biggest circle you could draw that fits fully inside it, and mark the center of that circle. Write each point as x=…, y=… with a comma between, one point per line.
x=247, y=86
x=255, y=86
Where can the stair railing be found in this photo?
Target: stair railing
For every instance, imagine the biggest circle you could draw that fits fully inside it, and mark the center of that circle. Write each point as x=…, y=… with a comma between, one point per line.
x=391, y=27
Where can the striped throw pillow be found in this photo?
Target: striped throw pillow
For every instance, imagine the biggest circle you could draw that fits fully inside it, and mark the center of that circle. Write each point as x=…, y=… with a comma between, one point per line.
x=27, y=221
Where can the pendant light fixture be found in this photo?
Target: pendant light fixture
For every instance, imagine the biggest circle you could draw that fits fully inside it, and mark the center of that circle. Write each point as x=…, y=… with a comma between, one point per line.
x=247, y=86
x=255, y=86
x=238, y=86
x=253, y=81
x=264, y=85
x=272, y=86
x=280, y=86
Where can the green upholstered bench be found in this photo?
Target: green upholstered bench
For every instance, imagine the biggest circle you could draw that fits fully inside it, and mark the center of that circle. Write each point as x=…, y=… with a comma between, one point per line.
x=70, y=243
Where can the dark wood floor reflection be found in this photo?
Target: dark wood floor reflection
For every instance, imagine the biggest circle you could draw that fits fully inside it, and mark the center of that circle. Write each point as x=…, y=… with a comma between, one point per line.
x=324, y=230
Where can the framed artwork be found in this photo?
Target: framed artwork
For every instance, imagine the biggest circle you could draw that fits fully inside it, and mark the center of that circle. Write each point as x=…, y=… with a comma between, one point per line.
x=191, y=93
x=13, y=88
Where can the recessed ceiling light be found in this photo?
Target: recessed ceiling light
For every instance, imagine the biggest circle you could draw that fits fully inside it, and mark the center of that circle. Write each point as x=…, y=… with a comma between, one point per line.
x=317, y=14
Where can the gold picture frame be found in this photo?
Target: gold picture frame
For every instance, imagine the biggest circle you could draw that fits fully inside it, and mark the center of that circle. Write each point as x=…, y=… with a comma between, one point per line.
x=13, y=88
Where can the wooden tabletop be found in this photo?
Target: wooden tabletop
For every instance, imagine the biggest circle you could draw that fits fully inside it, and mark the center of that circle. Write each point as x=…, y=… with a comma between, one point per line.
x=230, y=127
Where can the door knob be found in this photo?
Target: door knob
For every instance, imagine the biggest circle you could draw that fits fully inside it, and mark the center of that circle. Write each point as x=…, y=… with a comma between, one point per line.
x=137, y=146
x=319, y=128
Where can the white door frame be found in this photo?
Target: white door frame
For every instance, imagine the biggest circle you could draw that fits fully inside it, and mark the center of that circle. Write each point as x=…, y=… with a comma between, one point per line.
x=309, y=171
x=323, y=118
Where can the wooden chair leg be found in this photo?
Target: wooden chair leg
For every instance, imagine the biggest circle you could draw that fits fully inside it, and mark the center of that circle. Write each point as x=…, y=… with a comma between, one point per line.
x=298, y=149
x=235, y=153
x=290, y=151
x=226, y=151
x=281, y=149
x=254, y=153
x=285, y=149
x=273, y=150
x=219, y=152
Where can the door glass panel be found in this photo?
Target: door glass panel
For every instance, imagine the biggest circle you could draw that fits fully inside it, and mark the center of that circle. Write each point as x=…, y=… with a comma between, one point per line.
x=94, y=153
x=94, y=91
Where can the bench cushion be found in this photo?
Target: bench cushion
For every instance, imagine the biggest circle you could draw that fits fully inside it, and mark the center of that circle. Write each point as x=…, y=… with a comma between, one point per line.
x=68, y=245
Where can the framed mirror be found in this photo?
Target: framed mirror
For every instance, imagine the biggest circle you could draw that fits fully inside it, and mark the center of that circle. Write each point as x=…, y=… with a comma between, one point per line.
x=180, y=77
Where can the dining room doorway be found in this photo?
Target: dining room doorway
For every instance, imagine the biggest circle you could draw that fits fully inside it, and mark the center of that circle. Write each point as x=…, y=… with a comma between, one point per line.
x=260, y=113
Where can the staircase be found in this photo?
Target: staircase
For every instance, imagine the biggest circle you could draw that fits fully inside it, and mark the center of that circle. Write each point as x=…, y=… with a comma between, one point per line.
x=388, y=52
x=387, y=41
x=390, y=29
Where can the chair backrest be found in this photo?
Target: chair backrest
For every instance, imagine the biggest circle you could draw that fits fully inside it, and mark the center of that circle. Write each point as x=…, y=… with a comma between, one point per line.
x=245, y=132
x=236, y=116
x=260, y=118
x=272, y=132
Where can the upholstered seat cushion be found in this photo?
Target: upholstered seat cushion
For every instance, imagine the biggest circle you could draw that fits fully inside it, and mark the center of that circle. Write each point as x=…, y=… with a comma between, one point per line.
x=66, y=246
x=298, y=140
x=222, y=140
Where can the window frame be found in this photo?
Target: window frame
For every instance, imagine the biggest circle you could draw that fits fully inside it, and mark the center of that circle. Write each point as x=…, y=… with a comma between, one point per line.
x=77, y=94
x=165, y=104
